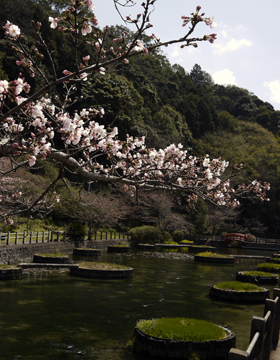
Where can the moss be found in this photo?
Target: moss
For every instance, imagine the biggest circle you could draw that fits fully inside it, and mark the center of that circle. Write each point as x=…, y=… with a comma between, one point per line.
x=186, y=242
x=183, y=329
x=238, y=286
x=269, y=267
x=102, y=266
x=7, y=267
x=257, y=273
x=213, y=255
x=202, y=247
x=52, y=255
x=120, y=246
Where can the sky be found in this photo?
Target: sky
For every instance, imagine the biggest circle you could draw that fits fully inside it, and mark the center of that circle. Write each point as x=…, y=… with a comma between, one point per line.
x=246, y=52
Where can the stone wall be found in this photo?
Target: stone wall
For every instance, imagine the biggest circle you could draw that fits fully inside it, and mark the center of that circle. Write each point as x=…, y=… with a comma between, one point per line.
x=16, y=253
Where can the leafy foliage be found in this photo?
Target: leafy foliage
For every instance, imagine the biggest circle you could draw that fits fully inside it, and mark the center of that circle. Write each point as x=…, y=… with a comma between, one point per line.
x=145, y=235
x=167, y=104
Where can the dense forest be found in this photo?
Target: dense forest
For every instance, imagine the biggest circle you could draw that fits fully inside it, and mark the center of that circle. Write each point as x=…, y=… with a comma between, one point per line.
x=167, y=104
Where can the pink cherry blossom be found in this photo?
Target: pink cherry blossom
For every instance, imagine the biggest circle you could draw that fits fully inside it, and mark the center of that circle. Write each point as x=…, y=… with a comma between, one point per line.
x=31, y=160
x=137, y=46
x=89, y=4
x=4, y=86
x=210, y=21
x=54, y=21
x=12, y=30
x=102, y=70
x=86, y=29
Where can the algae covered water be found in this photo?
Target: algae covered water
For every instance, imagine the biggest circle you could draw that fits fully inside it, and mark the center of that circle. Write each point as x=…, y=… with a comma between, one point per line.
x=50, y=315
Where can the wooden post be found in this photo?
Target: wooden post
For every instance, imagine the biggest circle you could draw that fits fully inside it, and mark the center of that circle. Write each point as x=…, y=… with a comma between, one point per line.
x=43, y=236
x=8, y=238
x=37, y=237
x=30, y=239
x=23, y=237
x=16, y=238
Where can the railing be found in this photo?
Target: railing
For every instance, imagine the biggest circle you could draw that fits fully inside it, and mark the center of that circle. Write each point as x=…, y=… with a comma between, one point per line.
x=260, y=241
x=29, y=237
x=264, y=332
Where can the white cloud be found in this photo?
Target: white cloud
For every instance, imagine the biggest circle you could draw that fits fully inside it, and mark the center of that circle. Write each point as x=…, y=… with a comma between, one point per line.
x=179, y=53
x=224, y=33
x=274, y=87
x=224, y=77
x=231, y=45
x=176, y=53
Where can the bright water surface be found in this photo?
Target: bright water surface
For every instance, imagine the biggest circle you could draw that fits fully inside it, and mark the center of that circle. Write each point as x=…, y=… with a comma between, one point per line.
x=53, y=316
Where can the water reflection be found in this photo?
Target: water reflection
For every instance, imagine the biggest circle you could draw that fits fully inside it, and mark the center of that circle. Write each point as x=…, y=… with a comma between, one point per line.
x=50, y=315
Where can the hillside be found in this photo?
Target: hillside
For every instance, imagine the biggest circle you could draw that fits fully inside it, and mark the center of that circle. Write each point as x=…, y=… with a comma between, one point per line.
x=167, y=104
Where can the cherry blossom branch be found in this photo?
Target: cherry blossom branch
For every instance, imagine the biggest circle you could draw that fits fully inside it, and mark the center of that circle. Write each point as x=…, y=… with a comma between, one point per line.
x=85, y=141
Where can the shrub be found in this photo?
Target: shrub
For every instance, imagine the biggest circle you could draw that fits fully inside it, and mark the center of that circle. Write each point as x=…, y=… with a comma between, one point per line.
x=178, y=235
x=166, y=237
x=145, y=235
x=186, y=242
x=78, y=231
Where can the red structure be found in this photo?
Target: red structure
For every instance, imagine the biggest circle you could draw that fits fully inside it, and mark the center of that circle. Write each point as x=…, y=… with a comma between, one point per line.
x=235, y=237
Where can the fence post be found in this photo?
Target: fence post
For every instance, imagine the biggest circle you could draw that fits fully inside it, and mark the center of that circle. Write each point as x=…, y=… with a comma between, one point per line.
x=8, y=238
x=37, y=238
x=258, y=325
x=23, y=237
x=30, y=239
x=276, y=297
x=236, y=354
x=269, y=308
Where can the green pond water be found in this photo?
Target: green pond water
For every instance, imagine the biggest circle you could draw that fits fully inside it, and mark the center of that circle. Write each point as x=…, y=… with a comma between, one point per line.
x=50, y=315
